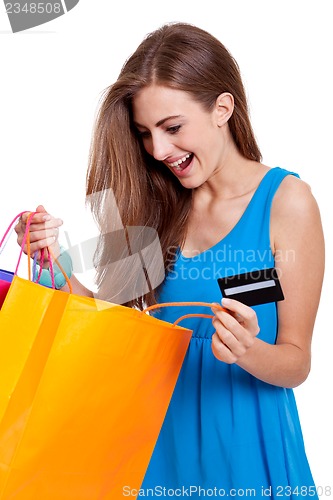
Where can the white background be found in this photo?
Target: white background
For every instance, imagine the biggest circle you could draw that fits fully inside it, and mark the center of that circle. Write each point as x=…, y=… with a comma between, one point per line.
x=51, y=80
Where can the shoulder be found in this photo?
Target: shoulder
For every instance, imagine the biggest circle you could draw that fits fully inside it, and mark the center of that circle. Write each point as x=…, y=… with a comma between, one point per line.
x=294, y=209
x=293, y=197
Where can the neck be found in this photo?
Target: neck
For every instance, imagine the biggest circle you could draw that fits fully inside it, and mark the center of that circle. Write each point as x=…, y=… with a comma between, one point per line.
x=235, y=176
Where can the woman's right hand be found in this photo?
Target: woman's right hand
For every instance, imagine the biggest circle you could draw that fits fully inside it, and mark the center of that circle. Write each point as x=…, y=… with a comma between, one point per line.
x=44, y=230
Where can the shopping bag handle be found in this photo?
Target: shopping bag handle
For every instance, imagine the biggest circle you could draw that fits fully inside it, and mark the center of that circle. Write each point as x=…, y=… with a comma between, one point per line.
x=51, y=257
x=55, y=260
x=3, y=240
x=26, y=240
x=8, y=229
x=185, y=316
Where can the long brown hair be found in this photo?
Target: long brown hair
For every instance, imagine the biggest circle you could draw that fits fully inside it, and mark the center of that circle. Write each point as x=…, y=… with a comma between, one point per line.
x=180, y=56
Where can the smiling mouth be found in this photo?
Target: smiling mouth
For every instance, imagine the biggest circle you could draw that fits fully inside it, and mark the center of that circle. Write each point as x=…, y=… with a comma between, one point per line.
x=182, y=163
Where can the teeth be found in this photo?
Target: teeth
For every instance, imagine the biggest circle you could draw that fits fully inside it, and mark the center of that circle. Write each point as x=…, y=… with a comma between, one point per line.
x=179, y=162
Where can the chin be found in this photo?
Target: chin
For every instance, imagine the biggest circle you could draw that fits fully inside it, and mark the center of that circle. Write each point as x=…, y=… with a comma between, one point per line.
x=191, y=183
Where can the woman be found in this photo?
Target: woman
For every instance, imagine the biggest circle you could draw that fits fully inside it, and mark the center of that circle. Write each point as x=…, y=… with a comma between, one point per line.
x=173, y=141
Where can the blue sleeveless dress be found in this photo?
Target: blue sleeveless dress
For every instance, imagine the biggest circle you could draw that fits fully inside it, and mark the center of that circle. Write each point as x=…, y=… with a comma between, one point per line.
x=226, y=433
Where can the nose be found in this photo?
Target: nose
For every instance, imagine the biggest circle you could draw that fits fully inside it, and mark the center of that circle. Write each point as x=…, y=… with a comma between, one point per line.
x=161, y=147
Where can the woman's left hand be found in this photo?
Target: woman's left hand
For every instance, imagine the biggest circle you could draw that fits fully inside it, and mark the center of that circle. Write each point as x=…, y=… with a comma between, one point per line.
x=236, y=329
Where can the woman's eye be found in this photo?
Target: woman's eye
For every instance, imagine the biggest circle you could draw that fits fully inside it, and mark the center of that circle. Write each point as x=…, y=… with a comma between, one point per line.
x=174, y=129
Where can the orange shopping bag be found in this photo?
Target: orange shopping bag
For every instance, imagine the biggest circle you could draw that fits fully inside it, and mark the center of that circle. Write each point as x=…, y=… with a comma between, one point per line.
x=85, y=386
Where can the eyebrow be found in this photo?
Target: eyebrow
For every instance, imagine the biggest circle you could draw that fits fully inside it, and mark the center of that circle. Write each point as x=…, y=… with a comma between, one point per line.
x=160, y=122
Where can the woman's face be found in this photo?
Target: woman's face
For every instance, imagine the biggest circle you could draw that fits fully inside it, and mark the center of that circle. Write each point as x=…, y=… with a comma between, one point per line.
x=178, y=132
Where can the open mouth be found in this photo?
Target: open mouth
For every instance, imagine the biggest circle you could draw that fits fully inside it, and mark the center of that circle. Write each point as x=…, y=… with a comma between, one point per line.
x=182, y=163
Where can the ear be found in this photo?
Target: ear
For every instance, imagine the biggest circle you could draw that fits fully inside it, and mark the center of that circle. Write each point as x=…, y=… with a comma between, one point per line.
x=224, y=107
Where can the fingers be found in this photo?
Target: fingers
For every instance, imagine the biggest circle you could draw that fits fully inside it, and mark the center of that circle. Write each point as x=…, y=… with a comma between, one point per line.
x=38, y=218
x=40, y=230
x=43, y=238
x=40, y=221
x=243, y=314
x=231, y=331
x=235, y=330
x=50, y=225
x=43, y=230
x=221, y=351
x=40, y=208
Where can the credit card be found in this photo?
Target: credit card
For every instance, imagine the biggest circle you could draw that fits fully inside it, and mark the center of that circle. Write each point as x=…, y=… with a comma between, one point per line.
x=252, y=288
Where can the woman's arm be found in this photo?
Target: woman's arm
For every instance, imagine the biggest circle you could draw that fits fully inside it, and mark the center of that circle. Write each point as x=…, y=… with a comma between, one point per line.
x=298, y=245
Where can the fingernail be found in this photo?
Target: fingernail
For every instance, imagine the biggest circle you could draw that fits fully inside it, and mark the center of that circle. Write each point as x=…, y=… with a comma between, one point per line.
x=226, y=302
x=46, y=217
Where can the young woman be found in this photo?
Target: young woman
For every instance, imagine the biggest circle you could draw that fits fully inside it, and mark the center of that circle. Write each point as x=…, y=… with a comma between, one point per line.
x=173, y=141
